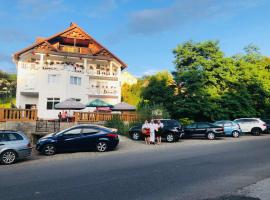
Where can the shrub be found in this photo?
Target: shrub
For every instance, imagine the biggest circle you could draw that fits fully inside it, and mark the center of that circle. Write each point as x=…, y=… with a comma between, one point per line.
x=118, y=124
x=186, y=121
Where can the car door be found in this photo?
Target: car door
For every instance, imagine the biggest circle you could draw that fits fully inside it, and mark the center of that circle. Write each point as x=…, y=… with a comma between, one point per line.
x=90, y=137
x=190, y=129
x=228, y=128
x=71, y=140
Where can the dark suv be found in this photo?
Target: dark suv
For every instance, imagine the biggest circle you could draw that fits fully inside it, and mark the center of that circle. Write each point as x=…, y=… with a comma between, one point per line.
x=205, y=129
x=172, y=131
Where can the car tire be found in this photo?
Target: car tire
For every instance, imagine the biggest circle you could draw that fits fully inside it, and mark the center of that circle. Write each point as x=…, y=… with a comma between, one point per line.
x=210, y=136
x=235, y=134
x=102, y=146
x=135, y=136
x=170, y=137
x=49, y=150
x=256, y=131
x=8, y=157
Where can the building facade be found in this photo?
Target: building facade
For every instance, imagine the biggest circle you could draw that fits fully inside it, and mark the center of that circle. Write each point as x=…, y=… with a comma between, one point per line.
x=69, y=64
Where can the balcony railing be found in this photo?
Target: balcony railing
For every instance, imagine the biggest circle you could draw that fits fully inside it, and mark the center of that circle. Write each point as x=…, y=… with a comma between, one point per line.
x=96, y=117
x=22, y=115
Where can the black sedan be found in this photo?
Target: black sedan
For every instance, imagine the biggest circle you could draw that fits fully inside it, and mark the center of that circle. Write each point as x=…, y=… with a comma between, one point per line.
x=205, y=129
x=172, y=131
x=78, y=138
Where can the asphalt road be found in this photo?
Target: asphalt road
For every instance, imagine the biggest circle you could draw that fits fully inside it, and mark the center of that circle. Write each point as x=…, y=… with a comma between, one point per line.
x=208, y=169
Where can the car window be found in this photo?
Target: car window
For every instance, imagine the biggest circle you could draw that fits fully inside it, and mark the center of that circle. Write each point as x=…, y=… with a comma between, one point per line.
x=90, y=131
x=73, y=132
x=219, y=123
x=164, y=122
x=173, y=123
x=228, y=124
x=14, y=136
x=203, y=125
x=191, y=126
x=3, y=137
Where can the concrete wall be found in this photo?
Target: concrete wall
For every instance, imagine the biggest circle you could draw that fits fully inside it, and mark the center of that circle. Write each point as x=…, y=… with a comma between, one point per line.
x=29, y=128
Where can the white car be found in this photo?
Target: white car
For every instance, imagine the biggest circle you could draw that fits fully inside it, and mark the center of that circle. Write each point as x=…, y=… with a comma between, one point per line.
x=255, y=126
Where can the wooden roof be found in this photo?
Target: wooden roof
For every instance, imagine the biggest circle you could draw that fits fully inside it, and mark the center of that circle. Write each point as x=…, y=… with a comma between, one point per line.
x=74, y=32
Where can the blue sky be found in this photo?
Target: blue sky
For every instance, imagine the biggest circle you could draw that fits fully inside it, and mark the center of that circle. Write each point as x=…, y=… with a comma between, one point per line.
x=140, y=32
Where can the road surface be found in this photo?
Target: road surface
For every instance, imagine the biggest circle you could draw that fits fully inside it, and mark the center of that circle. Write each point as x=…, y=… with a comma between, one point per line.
x=190, y=169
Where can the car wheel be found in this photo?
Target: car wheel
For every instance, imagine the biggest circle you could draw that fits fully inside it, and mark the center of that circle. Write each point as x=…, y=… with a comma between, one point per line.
x=256, y=131
x=170, y=137
x=210, y=136
x=102, y=146
x=49, y=150
x=235, y=134
x=135, y=136
x=8, y=157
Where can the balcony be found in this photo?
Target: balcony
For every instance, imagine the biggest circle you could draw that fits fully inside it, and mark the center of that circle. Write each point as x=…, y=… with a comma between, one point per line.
x=103, y=92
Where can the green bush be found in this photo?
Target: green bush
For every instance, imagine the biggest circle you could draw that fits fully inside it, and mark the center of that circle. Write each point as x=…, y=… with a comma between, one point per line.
x=118, y=124
x=186, y=121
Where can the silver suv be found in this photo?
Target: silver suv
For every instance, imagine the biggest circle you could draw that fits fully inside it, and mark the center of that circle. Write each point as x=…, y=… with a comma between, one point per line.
x=13, y=146
x=255, y=126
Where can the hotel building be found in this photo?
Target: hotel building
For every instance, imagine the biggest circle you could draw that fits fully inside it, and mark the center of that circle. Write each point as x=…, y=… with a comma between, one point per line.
x=69, y=64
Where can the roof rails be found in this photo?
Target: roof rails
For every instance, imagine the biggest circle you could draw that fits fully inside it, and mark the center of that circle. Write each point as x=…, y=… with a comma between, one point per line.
x=8, y=131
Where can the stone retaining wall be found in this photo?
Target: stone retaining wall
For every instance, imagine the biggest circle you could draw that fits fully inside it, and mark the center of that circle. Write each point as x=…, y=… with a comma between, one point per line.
x=29, y=128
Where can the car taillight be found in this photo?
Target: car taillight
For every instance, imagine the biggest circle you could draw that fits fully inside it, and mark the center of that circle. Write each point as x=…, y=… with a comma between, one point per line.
x=29, y=145
x=112, y=135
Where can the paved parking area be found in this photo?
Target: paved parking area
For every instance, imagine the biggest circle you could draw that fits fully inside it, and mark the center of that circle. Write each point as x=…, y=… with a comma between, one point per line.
x=127, y=145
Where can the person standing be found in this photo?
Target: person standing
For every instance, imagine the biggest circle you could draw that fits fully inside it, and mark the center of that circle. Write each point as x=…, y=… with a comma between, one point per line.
x=159, y=131
x=146, y=132
x=153, y=129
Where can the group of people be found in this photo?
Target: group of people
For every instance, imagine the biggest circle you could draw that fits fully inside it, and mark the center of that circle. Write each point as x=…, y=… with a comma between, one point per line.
x=63, y=116
x=152, y=131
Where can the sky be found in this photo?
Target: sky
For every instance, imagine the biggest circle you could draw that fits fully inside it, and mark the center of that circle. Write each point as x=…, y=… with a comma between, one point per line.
x=142, y=33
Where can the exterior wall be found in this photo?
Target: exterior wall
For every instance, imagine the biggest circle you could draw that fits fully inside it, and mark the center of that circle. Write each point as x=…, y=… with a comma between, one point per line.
x=33, y=86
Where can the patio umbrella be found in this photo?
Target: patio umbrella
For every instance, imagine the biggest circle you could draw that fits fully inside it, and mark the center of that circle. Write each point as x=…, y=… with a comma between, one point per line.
x=123, y=107
x=69, y=104
x=98, y=103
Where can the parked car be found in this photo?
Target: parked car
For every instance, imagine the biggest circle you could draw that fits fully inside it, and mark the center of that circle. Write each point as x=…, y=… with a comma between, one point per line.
x=172, y=131
x=205, y=129
x=267, y=122
x=78, y=138
x=14, y=145
x=255, y=126
x=231, y=128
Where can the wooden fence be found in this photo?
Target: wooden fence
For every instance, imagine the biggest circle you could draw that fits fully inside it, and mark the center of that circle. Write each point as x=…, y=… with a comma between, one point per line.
x=96, y=117
x=22, y=115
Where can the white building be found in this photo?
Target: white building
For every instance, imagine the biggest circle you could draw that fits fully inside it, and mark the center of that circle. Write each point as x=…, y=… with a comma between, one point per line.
x=69, y=64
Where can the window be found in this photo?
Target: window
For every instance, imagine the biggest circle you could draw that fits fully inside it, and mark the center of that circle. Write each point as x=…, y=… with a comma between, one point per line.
x=10, y=137
x=51, y=102
x=89, y=131
x=73, y=132
x=191, y=126
x=227, y=124
x=14, y=136
x=74, y=80
x=3, y=137
x=203, y=125
x=53, y=78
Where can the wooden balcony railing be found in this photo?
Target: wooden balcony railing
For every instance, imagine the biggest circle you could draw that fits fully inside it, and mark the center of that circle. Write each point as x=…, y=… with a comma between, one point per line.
x=22, y=115
x=96, y=117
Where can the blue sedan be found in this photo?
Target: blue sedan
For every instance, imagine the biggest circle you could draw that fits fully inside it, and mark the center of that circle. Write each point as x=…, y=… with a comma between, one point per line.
x=78, y=138
x=231, y=128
